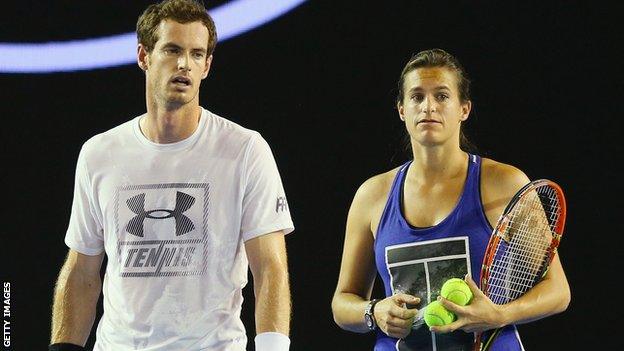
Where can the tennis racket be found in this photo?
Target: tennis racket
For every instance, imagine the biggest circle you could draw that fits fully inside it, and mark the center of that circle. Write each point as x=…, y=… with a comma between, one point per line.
x=522, y=245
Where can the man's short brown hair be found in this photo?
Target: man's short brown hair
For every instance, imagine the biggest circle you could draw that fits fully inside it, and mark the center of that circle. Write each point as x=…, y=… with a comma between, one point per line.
x=181, y=11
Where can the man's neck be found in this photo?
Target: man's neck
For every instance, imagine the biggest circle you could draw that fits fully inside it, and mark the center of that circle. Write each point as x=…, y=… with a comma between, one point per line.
x=164, y=125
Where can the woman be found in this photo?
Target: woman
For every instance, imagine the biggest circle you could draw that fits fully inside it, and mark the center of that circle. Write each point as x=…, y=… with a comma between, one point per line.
x=430, y=220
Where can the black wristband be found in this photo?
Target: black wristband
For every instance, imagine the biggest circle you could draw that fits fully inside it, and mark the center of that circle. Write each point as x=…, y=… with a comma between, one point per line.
x=369, y=316
x=63, y=346
x=373, y=310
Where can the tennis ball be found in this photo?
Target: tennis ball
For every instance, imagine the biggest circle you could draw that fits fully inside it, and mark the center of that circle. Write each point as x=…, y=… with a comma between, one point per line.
x=436, y=314
x=456, y=290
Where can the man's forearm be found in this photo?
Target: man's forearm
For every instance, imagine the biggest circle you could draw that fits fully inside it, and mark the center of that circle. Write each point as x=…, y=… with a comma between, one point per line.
x=74, y=308
x=273, y=306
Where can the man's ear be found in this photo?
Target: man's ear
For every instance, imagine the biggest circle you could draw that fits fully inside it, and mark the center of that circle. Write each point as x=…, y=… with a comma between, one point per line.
x=142, y=57
x=401, y=111
x=207, y=69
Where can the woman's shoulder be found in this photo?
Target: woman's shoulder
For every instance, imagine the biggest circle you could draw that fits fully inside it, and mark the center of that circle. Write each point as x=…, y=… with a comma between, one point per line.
x=371, y=197
x=499, y=179
x=377, y=186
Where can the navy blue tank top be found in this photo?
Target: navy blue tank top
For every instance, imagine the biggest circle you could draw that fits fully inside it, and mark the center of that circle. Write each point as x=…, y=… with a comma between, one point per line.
x=418, y=261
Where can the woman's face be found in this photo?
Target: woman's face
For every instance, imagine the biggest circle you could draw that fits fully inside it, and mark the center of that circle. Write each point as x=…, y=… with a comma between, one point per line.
x=431, y=106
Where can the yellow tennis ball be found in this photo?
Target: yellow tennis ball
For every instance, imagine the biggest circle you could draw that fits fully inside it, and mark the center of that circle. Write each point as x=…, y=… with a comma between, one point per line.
x=456, y=290
x=435, y=314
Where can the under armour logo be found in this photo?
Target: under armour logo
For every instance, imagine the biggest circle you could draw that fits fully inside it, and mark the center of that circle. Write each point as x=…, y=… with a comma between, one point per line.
x=281, y=204
x=136, y=204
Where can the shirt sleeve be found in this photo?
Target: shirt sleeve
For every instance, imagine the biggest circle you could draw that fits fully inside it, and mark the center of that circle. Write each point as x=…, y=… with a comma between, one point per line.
x=265, y=208
x=84, y=233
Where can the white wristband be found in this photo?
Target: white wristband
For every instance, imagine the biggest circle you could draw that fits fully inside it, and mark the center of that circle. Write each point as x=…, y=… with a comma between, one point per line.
x=272, y=341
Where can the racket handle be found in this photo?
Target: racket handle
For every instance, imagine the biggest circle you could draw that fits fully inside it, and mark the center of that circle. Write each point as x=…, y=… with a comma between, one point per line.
x=477, y=344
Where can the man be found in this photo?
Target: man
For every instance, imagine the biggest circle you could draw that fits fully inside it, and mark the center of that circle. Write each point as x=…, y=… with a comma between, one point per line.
x=181, y=201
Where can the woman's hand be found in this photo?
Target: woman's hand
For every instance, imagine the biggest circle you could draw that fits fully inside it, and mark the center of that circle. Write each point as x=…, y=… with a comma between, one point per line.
x=393, y=316
x=481, y=314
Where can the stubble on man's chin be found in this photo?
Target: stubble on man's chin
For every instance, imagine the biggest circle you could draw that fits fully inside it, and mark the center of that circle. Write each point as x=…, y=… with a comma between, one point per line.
x=175, y=103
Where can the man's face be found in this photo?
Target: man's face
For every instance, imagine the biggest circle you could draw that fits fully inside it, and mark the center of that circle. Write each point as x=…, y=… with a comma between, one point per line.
x=177, y=64
x=431, y=106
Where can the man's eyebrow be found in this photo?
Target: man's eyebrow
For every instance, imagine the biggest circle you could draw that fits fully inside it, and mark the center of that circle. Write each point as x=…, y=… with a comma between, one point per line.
x=176, y=46
x=171, y=45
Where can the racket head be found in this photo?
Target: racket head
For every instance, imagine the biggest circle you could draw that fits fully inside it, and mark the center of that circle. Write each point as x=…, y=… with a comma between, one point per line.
x=524, y=241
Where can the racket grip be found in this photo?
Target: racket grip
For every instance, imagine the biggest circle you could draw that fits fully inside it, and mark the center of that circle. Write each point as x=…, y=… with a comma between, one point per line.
x=477, y=344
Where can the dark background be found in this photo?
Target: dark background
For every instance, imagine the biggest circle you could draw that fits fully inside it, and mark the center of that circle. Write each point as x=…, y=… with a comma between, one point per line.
x=319, y=84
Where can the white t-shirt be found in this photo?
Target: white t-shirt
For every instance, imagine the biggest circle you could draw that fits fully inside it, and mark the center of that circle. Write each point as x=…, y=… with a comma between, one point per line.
x=173, y=219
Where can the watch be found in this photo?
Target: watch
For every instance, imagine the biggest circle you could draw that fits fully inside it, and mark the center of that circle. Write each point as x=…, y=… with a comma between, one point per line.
x=369, y=317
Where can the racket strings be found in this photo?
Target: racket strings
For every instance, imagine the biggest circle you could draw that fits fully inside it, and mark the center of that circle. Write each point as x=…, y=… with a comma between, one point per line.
x=524, y=246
